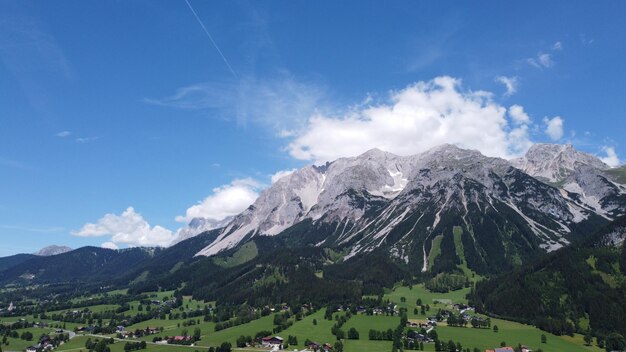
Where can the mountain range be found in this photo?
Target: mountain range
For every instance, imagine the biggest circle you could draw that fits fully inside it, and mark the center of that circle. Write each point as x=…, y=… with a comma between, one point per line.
x=503, y=212
x=432, y=212
x=351, y=227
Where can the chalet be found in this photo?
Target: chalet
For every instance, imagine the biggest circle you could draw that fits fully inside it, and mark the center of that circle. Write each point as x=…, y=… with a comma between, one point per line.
x=32, y=349
x=119, y=328
x=502, y=349
x=314, y=346
x=274, y=341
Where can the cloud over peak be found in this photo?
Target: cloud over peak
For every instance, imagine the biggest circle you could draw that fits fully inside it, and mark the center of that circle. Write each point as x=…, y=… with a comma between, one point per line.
x=414, y=119
x=226, y=200
x=554, y=127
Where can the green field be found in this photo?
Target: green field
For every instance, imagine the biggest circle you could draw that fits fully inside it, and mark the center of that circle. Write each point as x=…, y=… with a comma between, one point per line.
x=305, y=329
x=510, y=332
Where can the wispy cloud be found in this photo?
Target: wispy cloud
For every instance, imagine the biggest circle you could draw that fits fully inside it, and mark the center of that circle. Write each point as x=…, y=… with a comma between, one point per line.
x=32, y=56
x=282, y=103
x=64, y=134
x=51, y=229
x=510, y=83
x=542, y=60
x=14, y=164
x=585, y=40
x=545, y=59
x=84, y=140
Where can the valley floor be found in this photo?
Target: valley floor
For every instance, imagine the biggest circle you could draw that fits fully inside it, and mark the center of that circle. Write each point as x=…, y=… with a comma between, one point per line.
x=315, y=328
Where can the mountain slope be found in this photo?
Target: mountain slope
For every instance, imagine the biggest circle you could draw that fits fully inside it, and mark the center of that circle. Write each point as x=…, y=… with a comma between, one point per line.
x=578, y=286
x=84, y=264
x=402, y=204
x=10, y=261
x=583, y=177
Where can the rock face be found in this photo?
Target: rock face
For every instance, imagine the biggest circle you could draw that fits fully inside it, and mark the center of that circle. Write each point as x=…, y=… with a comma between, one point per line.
x=583, y=177
x=52, y=250
x=197, y=226
x=438, y=209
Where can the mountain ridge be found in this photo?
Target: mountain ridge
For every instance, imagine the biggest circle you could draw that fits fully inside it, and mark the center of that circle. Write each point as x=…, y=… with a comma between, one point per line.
x=363, y=202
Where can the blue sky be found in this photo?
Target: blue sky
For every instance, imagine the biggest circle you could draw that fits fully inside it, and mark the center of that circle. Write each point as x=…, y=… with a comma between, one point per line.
x=128, y=108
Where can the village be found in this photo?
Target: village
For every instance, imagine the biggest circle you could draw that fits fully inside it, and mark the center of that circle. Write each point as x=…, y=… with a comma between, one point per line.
x=162, y=321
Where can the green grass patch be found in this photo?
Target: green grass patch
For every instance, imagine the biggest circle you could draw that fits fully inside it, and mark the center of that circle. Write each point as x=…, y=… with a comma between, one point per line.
x=512, y=333
x=305, y=329
x=244, y=254
x=457, y=231
x=618, y=174
x=435, y=250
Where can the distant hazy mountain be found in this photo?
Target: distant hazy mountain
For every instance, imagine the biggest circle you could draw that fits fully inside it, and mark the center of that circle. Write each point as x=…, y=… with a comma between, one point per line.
x=83, y=264
x=197, y=226
x=52, y=250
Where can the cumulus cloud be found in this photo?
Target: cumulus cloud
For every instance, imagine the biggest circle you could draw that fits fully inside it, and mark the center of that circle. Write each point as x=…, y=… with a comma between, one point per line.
x=127, y=228
x=611, y=157
x=64, y=134
x=414, y=119
x=510, y=83
x=280, y=174
x=226, y=200
x=554, y=127
x=518, y=114
x=557, y=46
x=109, y=245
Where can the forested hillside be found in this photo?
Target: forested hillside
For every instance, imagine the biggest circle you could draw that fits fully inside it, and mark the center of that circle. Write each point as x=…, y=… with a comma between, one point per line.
x=578, y=288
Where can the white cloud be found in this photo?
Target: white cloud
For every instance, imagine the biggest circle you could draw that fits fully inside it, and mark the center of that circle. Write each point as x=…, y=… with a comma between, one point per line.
x=611, y=157
x=109, y=245
x=282, y=173
x=510, y=83
x=554, y=127
x=64, y=134
x=128, y=228
x=421, y=116
x=541, y=61
x=545, y=60
x=518, y=114
x=83, y=140
x=226, y=200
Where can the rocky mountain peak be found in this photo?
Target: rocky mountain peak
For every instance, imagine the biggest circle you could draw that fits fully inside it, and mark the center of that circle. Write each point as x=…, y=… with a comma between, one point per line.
x=52, y=250
x=556, y=162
